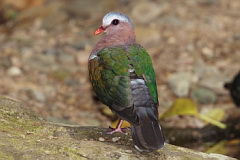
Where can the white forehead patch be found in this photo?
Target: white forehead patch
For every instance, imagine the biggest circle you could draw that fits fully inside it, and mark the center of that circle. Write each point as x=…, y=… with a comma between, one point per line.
x=108, y=18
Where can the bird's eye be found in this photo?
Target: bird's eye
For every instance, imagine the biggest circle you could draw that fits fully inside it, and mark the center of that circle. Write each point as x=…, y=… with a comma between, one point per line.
x=115, y=22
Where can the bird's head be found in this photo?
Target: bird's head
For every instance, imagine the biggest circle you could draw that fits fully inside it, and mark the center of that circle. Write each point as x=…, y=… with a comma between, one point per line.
x=114, y=22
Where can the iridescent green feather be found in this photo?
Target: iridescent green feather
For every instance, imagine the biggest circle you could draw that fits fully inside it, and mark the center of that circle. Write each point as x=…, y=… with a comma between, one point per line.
x=110, y=76
x=143, y=67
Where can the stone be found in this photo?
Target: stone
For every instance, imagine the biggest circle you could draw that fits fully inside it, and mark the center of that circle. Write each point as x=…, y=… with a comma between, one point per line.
x=203, y=95
x=37, y=95
x=209, y=53
x=101, y=139
x=115, y=139
x=14, y=71
x=210, y=77
x=51, y=51
x=71, y=141
x=180, y=83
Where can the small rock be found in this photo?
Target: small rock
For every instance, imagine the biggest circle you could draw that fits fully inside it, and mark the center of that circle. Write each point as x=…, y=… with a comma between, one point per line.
x=101, y=139
x=23, y=136
x=203, y=95
x=128, y=151
x=190, y=47
x=51, y=51
x=207, y=52
x=14, y=71
x=211, y=77
x=180, y=83
x=38, y=95
x=26, y=52
x=115, y=139
x=47, y=152
x=16, y=61
x=171, y=40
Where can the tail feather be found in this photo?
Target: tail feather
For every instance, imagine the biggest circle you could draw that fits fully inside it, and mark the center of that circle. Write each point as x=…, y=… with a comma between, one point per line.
x=148, y=136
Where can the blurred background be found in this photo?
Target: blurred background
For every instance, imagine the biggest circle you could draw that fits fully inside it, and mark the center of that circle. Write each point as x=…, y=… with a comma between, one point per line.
x=195, y=47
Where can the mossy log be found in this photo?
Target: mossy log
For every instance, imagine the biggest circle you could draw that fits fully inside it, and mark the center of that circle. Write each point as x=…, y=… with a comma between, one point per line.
x=26, y=135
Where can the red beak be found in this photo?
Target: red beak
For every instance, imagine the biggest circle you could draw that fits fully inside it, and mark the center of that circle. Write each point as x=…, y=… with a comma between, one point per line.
x=99, y=30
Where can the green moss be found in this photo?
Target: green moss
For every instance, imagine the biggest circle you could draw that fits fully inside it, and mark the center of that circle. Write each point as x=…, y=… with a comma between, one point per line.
x=5, y=156
x=73, y=153
x=23, y=135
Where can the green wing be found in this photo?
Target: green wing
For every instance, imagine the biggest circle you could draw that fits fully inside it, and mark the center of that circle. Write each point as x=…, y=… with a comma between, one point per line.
x=143, y=67
x=110, y=77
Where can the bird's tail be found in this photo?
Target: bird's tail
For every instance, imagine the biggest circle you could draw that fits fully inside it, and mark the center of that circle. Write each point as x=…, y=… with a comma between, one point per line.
x=148, y=136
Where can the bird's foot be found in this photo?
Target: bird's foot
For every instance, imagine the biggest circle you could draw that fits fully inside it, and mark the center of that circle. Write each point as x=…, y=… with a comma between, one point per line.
x=118, y=129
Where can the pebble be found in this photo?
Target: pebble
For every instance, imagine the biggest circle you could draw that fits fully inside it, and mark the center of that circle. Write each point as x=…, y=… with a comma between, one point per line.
x=208, y=52
x=51, y=51
x=38, y=95
x=180, y=83
x=14, y=71
x=211, y=77
x=101, y=139
x=115, y=139
x=203, y=95
x=23, y=136
x=128, y=151
x=47, y=152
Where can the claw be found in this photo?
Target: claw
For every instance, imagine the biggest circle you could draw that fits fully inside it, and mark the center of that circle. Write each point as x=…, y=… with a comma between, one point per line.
x=118, y=128
x=115, y=130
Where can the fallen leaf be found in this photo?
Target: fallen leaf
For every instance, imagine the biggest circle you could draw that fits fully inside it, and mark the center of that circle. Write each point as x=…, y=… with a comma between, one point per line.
x=218, y=148
x=125, y=124
x=182, y=106
x=214, y=117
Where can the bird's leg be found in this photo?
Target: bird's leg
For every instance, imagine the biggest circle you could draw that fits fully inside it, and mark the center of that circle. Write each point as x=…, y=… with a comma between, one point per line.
x=118, y=128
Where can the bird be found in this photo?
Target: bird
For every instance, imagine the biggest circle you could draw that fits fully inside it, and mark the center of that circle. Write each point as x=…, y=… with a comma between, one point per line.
x=234, y=89
x=123, y=78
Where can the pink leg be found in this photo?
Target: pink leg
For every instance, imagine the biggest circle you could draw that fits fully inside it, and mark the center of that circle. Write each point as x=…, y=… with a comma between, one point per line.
x=118, y=128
